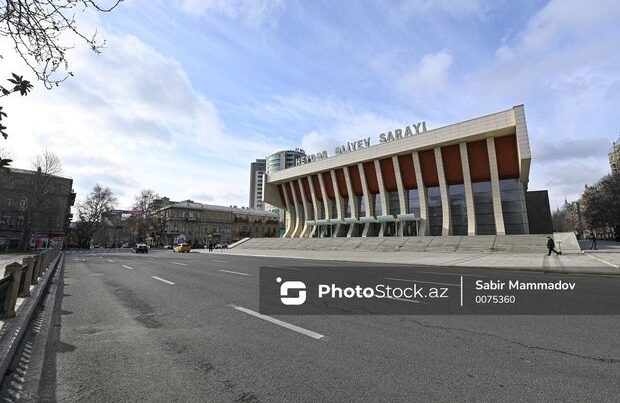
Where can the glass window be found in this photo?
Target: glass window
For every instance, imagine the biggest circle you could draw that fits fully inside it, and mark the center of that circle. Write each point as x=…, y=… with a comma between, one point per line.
x=483, y=206
x=394, y=203
x=458, y=209
x=435, y=213
x=514, y=209
x=413, y=202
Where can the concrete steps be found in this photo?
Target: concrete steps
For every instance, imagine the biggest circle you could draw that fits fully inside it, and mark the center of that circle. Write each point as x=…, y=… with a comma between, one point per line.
x=471, y=244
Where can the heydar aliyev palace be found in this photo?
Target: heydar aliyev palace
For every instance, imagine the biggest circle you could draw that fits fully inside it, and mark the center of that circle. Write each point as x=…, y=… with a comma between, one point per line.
x=468, y=178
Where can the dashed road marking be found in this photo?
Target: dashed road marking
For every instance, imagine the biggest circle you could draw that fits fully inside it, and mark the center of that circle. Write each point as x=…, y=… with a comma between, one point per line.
x=95, y=274
x=179, y=264
x=163, y=280
x=220, y=261
x=234, y=272
x=306, y=332
x=128, y=268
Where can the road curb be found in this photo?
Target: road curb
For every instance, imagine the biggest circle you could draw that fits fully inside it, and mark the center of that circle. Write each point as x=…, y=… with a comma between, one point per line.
x=14, y=329
x=545, y=270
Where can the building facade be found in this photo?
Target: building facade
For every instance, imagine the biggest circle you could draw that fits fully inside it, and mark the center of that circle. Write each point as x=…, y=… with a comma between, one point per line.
x=35, y=209
x=468, y=178
x=257, y=174
x=614, y=156
x=199, y=224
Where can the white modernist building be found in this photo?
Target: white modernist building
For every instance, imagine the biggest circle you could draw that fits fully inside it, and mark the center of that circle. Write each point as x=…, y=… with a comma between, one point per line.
x=468, y=178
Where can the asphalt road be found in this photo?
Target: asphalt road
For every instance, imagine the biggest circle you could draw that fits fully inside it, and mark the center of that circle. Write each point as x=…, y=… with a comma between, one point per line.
x=184, y=327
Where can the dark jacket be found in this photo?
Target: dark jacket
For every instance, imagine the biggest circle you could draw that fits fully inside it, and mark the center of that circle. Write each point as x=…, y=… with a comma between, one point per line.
x=550, y=243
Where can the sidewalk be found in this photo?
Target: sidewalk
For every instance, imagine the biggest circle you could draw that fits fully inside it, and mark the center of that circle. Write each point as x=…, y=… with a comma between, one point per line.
x=575, y=263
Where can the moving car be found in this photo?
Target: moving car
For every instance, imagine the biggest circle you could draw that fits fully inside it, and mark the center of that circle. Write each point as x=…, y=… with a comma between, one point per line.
x=182, y=248
x=142, y=248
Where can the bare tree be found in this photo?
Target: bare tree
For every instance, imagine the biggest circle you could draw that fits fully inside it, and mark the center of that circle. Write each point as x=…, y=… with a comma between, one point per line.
x=43, y=184
x=38, y=28
x=144, y=202
x=38, y=31
x=91, y=213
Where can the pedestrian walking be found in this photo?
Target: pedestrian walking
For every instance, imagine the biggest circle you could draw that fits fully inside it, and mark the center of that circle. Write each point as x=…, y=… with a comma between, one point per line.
x=551, y=246
x=210, y=246
x=593, y=243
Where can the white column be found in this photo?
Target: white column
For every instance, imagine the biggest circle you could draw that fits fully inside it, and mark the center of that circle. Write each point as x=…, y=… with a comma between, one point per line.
x=352, y=205
x=326, y=200
x=298, y=216
x=385, y=209
x=469, y=193
x=360, y=167
x=339, y=201
x=446, y=218
x=495, y=192
x=306, y=228
x=424, y=227
x=289, y=214
x=315, y=204
x=401, y=191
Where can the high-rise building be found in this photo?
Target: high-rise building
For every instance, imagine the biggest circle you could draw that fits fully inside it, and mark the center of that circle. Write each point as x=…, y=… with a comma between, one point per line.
x=257, y=171
x=276, y=162
x=283, y=159
x=614, y=156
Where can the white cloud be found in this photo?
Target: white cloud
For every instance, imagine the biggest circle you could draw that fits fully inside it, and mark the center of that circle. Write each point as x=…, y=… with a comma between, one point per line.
x=455, y=8
x=129, y=119
x=253, y=13
x=430, y=75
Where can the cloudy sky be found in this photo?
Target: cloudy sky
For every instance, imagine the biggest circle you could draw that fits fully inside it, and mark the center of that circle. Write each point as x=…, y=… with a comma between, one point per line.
x=188, y=92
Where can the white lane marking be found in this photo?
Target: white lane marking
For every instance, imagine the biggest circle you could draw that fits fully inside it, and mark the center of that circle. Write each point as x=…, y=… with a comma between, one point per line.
x=179, y=264
x=615, y=266
x=423, y=282
x=110, y=260
x=220, y=261
x=451, y=274
x=75, y=258
x=306, y=332
x=164, y=280
x=314, y=264
x=96, y=274
x=128, y=268
x=405, y=300
x=234, y=272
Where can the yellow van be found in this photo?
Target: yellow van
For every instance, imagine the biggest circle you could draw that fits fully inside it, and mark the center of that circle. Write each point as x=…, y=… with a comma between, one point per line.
x=182, y=248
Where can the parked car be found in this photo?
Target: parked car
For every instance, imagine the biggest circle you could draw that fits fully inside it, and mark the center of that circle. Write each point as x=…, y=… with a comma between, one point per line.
x=125, y=245
x=221, y=246
x=182, y=248
x=167, y=246
x=142, y=248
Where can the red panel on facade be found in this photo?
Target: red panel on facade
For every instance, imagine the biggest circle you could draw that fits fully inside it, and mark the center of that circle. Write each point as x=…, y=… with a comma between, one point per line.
x=356, y=180
x=478, y=156
x=287, y=186
x=389, y=177
x=507, y=158
x=297, y=192
x=429, y=168
x=306, y=185
x=342, y=183
x=329, y=185
x=371, y=177
x=407, y=171
x=453, y=169
x=317, y=187
x=281, y=191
